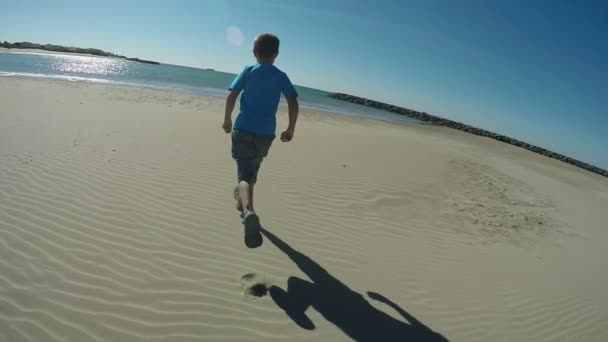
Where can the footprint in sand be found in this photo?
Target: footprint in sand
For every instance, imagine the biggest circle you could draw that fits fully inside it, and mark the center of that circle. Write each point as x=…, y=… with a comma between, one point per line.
x=254, y=285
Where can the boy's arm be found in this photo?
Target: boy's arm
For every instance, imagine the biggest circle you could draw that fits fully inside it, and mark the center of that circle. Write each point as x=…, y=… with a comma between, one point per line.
x=294, y=108
x=235, y=88
x=230, y=103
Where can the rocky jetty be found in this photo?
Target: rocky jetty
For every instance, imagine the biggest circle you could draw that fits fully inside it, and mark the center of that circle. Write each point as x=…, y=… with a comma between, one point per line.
x=142, y=61
x=422, y=116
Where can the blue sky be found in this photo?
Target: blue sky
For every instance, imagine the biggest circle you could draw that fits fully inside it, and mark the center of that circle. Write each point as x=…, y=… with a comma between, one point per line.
x=534, y=70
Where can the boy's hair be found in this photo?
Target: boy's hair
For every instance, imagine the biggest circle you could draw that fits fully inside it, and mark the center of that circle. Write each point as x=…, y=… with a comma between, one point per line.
x=266, y=45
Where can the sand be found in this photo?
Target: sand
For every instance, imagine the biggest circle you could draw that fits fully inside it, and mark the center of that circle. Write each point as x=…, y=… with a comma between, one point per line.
x=117, y=223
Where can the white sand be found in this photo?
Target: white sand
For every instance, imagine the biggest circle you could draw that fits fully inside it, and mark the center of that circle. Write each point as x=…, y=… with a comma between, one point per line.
x=117, y=224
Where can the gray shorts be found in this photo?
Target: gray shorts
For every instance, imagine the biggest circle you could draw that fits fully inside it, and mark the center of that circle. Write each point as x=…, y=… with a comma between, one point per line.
x=249, y=150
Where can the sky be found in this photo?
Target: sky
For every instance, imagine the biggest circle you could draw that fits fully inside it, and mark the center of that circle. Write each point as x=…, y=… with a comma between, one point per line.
x=533, y=70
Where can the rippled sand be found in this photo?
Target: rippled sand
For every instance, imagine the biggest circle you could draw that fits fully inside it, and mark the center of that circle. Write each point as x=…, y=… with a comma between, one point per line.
x=117, y=223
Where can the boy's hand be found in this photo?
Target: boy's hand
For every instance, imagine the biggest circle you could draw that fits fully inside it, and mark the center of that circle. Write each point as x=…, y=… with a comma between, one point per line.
x=287, y=135
x=227, y=126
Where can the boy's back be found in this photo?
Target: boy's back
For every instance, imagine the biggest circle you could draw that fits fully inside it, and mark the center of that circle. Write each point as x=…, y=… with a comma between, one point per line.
x=262, y=85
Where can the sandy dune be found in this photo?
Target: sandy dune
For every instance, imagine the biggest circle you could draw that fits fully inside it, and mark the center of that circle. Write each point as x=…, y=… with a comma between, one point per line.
x=117, y=223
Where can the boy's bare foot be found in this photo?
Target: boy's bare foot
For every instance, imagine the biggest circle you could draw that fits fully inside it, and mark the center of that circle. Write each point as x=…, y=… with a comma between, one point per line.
x=253, y=236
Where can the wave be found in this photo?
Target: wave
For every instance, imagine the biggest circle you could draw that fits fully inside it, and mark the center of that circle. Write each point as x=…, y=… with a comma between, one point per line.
x=78, y=79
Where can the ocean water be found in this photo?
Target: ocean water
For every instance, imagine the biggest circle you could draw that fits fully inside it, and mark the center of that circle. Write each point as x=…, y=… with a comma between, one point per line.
x=163, y=76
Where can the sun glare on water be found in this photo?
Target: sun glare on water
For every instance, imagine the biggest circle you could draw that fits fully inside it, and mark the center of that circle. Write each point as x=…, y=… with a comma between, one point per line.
x=89, y=65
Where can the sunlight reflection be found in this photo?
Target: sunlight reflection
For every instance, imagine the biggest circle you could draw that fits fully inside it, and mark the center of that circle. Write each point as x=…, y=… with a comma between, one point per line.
x=90, y=65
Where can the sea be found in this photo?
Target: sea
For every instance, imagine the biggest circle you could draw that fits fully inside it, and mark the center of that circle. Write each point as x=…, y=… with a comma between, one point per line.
x=79, y=68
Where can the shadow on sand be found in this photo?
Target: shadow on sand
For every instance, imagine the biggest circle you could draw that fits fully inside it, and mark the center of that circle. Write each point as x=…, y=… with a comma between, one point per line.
x=340, y=305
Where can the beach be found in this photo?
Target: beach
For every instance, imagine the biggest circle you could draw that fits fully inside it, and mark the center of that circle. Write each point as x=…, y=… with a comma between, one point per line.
x=117, y=223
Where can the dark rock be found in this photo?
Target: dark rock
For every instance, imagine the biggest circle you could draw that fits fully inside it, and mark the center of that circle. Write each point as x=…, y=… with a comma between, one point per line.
x=142, y=61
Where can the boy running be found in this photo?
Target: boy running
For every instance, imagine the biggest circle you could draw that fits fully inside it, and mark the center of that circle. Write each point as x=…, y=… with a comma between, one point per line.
x=255, y=126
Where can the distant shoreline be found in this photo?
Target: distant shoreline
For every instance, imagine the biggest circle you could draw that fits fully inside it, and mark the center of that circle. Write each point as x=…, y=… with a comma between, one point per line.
x=70, y=50
x=422, y=116
x=46, y=52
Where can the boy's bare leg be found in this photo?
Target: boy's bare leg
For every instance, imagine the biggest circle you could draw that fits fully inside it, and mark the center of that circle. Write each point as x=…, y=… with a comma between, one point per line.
x=253, y=237
x=251, y=187
x=245, y=195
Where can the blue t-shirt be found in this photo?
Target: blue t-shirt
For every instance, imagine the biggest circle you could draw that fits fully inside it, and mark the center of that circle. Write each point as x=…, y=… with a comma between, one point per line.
x=262, y=85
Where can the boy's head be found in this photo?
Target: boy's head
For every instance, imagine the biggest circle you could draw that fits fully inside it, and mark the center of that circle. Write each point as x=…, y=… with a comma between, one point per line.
x=266, y=47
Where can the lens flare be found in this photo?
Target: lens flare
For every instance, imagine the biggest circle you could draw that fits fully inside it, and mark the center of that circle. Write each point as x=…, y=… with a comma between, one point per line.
x=234, y=36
